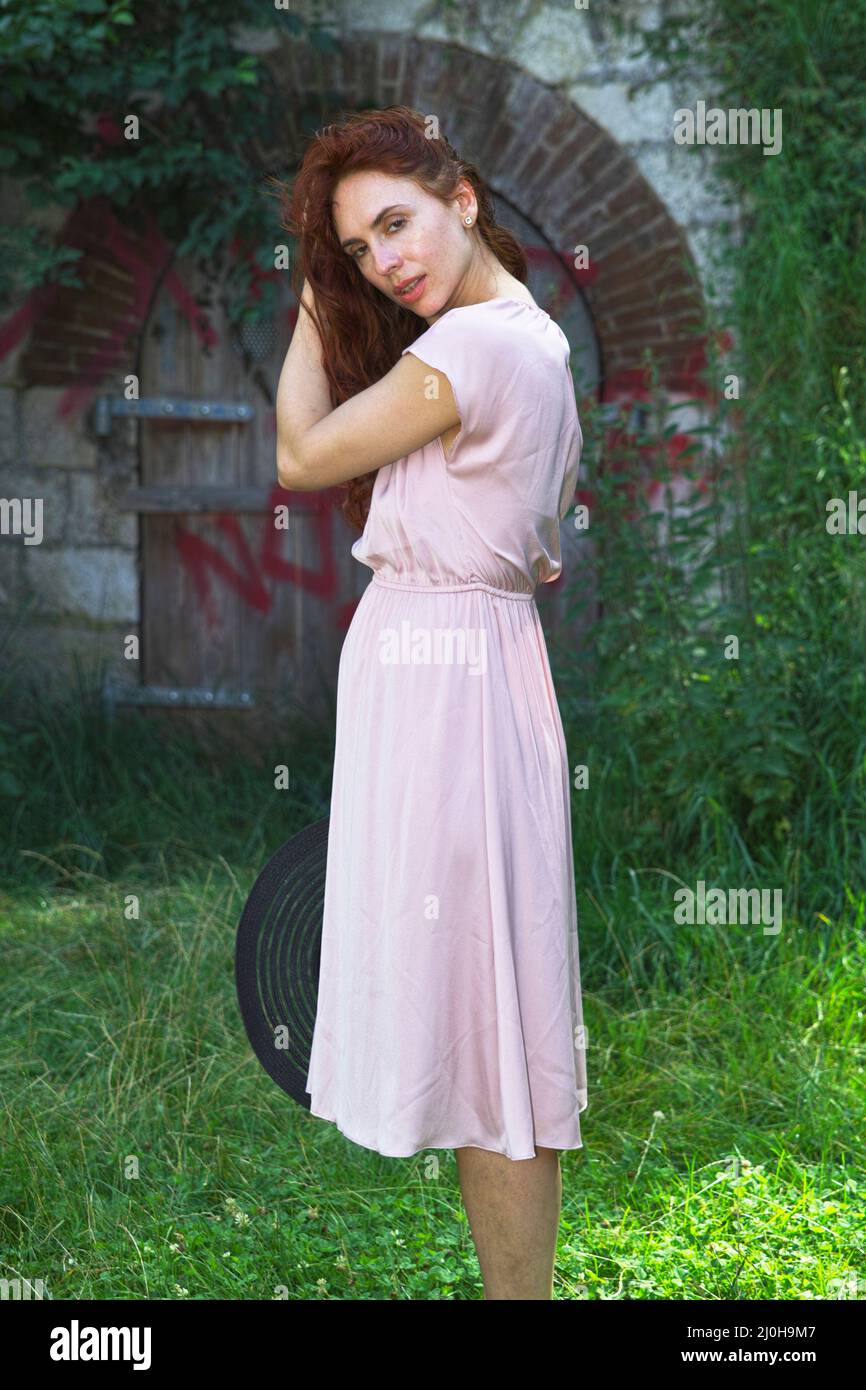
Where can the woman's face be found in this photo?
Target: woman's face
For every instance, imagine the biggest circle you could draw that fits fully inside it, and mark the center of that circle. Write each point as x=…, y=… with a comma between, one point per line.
x=396, y=232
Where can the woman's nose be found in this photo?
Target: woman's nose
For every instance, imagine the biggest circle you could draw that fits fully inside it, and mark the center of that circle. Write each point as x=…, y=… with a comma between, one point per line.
x=386, y=261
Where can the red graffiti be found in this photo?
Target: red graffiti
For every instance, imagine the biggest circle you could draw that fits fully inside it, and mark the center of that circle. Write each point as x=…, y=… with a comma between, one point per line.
x=248, y=581
x=632, y=387
x=95, y=226
x=251, y=572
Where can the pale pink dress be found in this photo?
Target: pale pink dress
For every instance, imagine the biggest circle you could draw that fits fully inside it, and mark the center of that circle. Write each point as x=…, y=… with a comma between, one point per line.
x=449, y=1008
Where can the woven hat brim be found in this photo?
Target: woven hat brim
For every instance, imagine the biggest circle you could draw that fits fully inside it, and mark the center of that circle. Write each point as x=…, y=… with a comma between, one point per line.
x=277, y=955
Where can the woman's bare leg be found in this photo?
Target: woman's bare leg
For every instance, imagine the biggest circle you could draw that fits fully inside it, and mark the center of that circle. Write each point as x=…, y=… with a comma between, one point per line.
x=513, y=1210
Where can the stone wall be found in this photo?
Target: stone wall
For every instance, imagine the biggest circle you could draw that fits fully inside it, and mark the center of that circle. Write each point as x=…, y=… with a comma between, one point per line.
x=537, y=94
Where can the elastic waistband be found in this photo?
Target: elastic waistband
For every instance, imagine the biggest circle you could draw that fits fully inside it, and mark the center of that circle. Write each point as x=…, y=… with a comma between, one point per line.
x=451, y=588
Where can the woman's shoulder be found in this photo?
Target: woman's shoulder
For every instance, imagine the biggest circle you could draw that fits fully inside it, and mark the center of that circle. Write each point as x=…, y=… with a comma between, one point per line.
x=501, y=309
x=502, y=327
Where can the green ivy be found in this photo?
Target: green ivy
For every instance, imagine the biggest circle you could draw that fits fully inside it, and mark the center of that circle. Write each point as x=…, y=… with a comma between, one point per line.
x=72, y=69
x=753, y=768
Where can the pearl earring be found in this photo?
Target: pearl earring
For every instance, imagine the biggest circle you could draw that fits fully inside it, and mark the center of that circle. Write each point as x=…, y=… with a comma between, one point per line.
x=468, y=221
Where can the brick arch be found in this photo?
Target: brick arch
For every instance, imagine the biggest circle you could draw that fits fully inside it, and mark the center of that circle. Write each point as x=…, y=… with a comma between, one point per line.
x=76, y=336
x=564, y=173
x=567, y=175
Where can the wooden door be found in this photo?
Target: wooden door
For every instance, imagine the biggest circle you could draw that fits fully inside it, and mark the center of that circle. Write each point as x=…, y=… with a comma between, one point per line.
x=237, y=613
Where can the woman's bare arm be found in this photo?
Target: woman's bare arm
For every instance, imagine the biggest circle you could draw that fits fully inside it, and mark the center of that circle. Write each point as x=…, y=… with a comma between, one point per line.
x=318, y=447
x=303, y=396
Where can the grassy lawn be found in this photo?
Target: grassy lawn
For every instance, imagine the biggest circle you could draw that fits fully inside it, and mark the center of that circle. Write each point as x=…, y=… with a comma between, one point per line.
x=148, y=1155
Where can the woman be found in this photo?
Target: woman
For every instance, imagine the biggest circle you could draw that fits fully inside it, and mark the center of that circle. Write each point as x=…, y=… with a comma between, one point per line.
x=449, y=1010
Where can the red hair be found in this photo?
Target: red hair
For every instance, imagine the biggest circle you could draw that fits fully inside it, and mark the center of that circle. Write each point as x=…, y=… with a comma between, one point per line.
x=362, y=332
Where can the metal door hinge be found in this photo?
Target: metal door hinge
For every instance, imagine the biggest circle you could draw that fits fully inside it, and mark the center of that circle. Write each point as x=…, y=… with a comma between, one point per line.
x=170, y=408
x=116, y=692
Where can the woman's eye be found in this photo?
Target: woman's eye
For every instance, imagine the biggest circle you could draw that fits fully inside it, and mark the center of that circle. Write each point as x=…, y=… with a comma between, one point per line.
x=397, y=221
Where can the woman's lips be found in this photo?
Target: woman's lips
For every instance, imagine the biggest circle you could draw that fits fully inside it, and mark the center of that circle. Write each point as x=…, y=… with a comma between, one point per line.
x=415, y=292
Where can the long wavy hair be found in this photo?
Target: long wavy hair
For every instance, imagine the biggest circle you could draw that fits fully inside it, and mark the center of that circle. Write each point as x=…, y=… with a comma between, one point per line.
x=361, y=331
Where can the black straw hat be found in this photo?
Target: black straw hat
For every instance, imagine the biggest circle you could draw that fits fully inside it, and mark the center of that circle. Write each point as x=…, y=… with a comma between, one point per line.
x=277, y=954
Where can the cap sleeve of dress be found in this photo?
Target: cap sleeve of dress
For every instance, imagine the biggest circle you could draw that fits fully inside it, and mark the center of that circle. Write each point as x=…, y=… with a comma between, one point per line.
x=512, y=393
x=460, y=351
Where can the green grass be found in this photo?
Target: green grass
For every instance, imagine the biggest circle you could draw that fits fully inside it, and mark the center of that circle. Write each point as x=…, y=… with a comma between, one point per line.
x=148, y=1155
